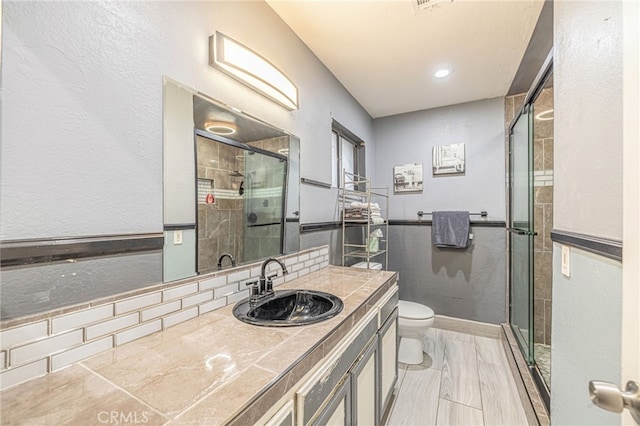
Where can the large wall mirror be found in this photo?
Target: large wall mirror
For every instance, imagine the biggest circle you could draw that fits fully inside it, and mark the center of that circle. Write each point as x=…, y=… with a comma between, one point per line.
x=231, y=192
x=234, y=193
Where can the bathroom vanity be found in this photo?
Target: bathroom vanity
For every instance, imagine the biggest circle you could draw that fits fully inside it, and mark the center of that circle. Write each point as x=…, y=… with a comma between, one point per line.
x=214, y=369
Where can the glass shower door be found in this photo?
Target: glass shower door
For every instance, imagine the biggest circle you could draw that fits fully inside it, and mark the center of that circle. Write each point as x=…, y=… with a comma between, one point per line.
x=521, y=232
x=264, y=205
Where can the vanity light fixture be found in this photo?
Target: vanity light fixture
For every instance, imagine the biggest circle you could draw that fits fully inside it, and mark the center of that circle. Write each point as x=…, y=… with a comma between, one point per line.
x=248, y=67
x=222, y=128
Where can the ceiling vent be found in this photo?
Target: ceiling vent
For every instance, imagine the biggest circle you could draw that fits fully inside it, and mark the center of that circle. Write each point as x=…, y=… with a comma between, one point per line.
x=419, y=6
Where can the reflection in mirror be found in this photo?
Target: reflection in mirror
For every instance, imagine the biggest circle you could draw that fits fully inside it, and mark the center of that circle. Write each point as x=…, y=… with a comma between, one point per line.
x=246, y=182
x=241, y=193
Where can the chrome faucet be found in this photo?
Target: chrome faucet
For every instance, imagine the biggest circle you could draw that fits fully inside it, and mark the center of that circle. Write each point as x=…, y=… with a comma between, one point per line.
x=264, y=287
x=221, y=258
x=266, y=282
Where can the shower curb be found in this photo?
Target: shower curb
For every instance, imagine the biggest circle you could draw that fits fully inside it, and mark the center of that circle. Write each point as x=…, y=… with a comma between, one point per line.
x=532, y=401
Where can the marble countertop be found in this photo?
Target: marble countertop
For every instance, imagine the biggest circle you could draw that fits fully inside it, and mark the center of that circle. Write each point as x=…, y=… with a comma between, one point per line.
x=210, y=370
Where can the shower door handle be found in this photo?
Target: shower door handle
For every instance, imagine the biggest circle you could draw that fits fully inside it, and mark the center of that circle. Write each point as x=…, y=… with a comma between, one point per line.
x=608, y=396
x=522, y=231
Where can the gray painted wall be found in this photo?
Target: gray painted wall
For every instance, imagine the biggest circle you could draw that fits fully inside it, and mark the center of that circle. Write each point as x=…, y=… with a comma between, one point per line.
x=586, y=336
x=587, y=199
x=82, y=107
x=410, y=138
x=467, y=284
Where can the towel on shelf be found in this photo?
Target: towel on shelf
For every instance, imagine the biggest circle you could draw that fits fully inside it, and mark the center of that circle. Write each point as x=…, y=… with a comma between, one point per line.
x=450, y=229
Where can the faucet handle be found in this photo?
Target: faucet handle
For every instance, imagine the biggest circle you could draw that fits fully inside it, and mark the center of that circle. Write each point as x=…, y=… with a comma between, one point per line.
x=254, y=290
x=269, y=284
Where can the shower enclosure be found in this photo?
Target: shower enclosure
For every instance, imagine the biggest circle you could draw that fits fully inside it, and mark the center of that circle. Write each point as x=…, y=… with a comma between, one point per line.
x=530, y=224
x=241, y=199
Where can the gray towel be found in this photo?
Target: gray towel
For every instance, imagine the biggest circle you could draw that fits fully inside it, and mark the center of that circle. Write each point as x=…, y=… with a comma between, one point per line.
x=450, y=229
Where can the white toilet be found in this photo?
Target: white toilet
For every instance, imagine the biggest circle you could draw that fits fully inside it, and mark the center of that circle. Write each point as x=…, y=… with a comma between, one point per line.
x=414, y=320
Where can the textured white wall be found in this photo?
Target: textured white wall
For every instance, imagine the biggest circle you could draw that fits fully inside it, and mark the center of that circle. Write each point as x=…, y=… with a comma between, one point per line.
x=588, y=118
x=410, y=138
x=82, y=107
x=587, y=199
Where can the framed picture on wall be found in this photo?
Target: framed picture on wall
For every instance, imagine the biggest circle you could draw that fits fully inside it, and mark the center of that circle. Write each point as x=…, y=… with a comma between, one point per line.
x=407, y=178
x=448, y=159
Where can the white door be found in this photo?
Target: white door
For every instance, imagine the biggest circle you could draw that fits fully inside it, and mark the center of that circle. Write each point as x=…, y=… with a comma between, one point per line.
x=631, y=200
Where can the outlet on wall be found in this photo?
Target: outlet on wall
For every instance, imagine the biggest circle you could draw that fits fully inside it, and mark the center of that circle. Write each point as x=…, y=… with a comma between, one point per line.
x=566, y=261
x=177, y=238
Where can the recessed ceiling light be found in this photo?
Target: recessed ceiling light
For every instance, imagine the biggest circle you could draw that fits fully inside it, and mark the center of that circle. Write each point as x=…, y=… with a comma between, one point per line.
x=442, y=72
x=222, y=128
x=545, y=115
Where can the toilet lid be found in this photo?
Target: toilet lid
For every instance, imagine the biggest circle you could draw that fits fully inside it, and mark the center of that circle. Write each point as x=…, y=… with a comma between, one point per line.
x=412, y=310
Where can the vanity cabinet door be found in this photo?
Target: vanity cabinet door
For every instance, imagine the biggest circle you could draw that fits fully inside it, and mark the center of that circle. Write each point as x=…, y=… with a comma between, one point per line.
x=364, y=387
x=284, y=416
x=388, y=364
x=338, y=410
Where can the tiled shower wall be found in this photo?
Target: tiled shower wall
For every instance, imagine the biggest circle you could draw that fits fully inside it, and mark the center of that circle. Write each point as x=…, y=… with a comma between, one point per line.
x=543, y=207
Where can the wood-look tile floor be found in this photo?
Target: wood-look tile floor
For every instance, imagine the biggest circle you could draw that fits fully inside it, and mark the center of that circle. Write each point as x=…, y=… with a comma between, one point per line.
x=464, y=380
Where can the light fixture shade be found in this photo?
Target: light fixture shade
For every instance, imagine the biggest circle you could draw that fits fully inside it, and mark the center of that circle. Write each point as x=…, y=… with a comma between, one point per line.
x=248, y=67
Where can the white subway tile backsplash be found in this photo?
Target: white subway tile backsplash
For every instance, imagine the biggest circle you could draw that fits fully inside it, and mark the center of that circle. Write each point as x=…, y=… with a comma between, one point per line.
x=181, y=316
x=303, y=272
x=296, y=267
x=197, y=299
x=139, y=302
x=82, y=318
x=239, y=276
x=23, y=373
x=158, y=311
x=224, y=291
x=314, y=268
x=23, y=334
x=213, y=283
x=111, y=326
x=278, y=280
x=290, y=261
x=309, y=263
x=85, y=351
x=324, y=264
x=212, y=306
x=255, y=272
x=44, y=347
x=138, y=332
x=290, y=276
x=177, y=292
x=237, y=296
x=314, y=254
x=3, y=360
x=303, y=257
x=324, y=251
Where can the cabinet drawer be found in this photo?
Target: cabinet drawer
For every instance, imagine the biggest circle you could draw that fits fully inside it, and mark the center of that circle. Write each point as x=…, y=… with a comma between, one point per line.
x=315, y=392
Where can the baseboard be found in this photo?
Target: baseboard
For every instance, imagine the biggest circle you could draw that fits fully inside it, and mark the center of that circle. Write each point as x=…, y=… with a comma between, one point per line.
x=460, y=325
x=532, y=402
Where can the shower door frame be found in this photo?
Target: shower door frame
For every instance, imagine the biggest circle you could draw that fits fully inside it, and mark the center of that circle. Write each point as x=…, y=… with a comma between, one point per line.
x=538, y=85
x=221, y=139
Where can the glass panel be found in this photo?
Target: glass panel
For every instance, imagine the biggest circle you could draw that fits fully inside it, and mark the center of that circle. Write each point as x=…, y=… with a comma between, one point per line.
x=520, y=239
x=241, y=197
x=264, y=185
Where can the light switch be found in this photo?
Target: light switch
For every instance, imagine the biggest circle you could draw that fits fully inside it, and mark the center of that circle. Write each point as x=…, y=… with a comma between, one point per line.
x=177, y=238
x=566, y=261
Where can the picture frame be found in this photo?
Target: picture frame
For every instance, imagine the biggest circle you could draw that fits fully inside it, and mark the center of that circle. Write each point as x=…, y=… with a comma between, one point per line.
x=408, y=178
x=449, y=159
